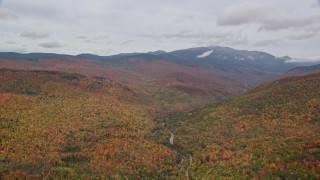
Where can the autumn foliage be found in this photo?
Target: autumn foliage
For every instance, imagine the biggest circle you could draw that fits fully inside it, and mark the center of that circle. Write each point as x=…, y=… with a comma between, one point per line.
x=60, y=125
x=270, y=132
x=57, y=125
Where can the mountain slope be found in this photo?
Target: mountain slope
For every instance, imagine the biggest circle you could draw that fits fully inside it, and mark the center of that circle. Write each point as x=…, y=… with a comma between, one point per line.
x=250, y=67
x=62, y=125
x=178, y=80
x=229, y=59
x=172, y=86
x=271, y=131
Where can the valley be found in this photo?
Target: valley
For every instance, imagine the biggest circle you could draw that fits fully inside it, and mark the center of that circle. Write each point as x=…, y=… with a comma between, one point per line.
x=199, y=113
x=159, y=90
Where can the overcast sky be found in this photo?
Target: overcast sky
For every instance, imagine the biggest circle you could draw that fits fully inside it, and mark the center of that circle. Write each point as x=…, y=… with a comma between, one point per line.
x=104, y=27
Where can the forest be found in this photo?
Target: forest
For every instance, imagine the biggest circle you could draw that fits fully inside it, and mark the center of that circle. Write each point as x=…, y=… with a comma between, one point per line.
x=64, y=125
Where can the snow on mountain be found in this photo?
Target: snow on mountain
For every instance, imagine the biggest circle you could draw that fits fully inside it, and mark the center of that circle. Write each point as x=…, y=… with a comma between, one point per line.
x=251, y=58
x=205, y=54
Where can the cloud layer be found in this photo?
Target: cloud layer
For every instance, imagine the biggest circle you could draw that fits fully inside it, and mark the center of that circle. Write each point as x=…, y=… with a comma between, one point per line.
x=6, y=14
x=50, y=45
x=116, y=26
x=34, y=35
x=268, y=18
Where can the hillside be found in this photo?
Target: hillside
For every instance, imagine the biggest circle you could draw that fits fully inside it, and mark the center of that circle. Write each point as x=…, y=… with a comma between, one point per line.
x=62, y=125
x=172, y=86
x=56, y=124
x=174, y=81
x=271, y=131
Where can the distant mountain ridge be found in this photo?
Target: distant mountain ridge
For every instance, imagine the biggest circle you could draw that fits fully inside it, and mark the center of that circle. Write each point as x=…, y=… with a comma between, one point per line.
x=31, y=56
x=229, y=59
x=243, y=66
x=303, y=70
x=222, y=58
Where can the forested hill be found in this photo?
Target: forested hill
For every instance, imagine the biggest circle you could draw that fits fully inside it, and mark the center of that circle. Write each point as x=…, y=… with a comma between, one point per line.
x=273, y=131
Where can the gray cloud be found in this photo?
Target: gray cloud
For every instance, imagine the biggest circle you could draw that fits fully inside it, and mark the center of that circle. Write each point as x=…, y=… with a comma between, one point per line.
x=100, y=37
x=34, y=35
x=303, y=36
x=50, y=45
x=197, y=35
x=237, y=41
x=211, y=38
x=269, y=19
x=11, y=42
x=166, y=25
x=98, y=42
x=126, y=42
x=81, y=37
x=241, y=14
x=6, y=14
x=104, y=51
x=315, y=29
x=266, y=42
x=38, y=9
x=315, y=4
x=285, y=21
x=13, y=49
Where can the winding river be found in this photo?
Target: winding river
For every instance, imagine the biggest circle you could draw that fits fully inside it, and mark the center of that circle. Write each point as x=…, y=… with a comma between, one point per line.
x=186, y=171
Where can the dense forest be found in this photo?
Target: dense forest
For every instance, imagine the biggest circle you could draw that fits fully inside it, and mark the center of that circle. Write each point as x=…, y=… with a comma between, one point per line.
x=63, y=125
x=163, y=90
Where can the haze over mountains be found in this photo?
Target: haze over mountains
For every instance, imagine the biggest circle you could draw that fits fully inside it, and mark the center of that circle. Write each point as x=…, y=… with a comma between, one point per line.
x=303, y=70
x=214, y=53
x=222, y=58
x=239, y=64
